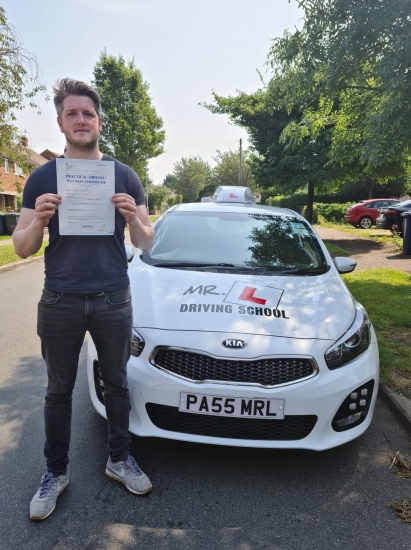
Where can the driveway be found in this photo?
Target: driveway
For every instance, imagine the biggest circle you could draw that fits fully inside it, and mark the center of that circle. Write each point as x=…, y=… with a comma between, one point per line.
x=368, y=253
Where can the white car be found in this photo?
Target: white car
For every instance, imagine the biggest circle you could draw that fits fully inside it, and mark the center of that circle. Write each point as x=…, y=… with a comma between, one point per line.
x=244, y=332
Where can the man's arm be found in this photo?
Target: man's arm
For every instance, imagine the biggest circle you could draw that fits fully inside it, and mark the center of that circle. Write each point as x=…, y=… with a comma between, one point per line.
x=141, y=231
x=29, y=232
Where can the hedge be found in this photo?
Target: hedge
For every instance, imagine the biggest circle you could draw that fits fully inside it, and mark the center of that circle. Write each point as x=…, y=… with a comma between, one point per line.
x=328, y=212
x=298, y=199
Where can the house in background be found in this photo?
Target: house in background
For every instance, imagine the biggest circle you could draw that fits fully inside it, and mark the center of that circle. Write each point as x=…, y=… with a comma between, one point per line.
x=11, y=174
x=49, y=155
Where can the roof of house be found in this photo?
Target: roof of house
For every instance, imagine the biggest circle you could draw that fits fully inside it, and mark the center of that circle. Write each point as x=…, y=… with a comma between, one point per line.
x=49, y=155
x=35, y=158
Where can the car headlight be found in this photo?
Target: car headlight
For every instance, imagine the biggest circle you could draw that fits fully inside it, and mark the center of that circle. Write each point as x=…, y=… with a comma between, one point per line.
x=137, y=343
x=353, y=343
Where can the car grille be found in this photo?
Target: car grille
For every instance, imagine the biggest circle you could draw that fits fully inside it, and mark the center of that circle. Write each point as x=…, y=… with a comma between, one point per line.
x=266, y=372
x=291, y=428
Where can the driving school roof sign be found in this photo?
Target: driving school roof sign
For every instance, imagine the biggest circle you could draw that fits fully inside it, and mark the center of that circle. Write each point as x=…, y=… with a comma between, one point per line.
x=233, y=193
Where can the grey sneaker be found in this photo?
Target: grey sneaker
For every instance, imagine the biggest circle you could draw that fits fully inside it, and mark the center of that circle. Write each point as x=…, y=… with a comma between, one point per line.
x=128, y=473
x=44, y=501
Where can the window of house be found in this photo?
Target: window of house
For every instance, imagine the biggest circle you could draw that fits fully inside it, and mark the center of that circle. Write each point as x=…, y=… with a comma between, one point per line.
x=17, y=170
x=10, y=202
x=6, y=166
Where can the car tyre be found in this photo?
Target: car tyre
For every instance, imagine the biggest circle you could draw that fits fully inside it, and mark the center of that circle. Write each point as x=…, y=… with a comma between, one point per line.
x=98, y=383
x=365, y=222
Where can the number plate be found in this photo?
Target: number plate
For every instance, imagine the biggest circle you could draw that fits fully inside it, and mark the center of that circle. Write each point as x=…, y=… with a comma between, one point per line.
x=232, y=406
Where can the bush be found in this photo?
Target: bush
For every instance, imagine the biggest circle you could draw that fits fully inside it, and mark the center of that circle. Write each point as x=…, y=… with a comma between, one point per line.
x=298, y=199
x=328, y=212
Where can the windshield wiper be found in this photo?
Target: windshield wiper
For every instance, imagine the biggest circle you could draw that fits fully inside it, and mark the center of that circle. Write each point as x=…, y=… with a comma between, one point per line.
x=192, y=264
x=255, y=269
x=305, y=271
x=223, y=265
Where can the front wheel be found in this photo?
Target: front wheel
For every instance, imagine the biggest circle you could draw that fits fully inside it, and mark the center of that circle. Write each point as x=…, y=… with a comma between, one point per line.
x=365, y=222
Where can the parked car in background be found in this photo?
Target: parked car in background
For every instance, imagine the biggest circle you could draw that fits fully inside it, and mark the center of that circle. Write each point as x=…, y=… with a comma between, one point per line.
x=364, y=214
x=390, y=218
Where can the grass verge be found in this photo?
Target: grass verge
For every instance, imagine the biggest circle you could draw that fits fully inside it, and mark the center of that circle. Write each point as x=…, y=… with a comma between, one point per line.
x=379, y=235
x=335, y=250
x=7, y=255
x=5, y=237
x=386, y=295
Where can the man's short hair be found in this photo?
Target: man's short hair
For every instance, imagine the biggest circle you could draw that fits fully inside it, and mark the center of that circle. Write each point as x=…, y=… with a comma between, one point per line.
x=67, y=86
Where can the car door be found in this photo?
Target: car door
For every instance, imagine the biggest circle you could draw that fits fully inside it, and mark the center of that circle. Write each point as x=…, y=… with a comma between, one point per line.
x=372, y=209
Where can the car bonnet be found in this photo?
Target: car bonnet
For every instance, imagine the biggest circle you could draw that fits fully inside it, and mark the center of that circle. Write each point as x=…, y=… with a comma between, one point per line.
x=286, y=306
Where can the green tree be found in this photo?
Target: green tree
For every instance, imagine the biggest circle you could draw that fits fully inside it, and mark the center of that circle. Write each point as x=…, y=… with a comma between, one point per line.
x=20, y=82
x=282, y=169
x=174, y=199
x=132, y=130
x=168, y=181
x=354, y=59
x=318, y=122
x=209, y=189
x=157, y=195
x=227, y=169
x=189, y=177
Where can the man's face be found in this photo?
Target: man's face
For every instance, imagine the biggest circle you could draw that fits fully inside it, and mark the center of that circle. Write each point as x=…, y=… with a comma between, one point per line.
x=79, y=122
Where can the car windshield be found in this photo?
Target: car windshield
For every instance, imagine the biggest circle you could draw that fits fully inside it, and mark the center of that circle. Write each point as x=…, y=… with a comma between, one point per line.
x=246, y=241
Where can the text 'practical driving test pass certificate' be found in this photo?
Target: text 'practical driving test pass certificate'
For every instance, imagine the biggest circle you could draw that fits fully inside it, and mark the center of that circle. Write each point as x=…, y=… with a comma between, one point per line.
x=86, y=187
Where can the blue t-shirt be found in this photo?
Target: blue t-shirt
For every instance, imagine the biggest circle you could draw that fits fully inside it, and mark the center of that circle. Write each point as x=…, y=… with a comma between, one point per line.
x=87, y=263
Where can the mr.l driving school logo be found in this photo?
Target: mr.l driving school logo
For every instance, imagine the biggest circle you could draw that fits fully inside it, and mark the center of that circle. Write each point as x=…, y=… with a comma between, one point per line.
x=259, y=295
x=250, y=299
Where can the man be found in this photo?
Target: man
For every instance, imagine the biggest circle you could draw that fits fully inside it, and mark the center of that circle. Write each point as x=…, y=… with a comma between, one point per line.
x=86, y=289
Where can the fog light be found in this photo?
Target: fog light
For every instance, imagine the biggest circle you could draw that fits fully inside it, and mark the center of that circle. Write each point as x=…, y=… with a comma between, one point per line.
x=348, y=421
x=345, y=418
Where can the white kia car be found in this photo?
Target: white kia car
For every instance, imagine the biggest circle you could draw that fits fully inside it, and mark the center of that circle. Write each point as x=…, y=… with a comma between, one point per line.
x=244, y=332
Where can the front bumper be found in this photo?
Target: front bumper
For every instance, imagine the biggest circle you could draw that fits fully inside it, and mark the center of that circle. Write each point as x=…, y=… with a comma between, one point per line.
x=310, y=405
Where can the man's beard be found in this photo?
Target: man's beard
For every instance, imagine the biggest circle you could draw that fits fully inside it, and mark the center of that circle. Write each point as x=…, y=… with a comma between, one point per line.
x=83, y=147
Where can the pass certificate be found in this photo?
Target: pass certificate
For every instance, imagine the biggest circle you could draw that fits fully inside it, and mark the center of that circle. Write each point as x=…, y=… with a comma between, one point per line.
x=86, y=188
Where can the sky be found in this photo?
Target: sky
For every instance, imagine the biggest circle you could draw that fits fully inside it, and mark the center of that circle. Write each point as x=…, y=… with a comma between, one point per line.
x=185, y=49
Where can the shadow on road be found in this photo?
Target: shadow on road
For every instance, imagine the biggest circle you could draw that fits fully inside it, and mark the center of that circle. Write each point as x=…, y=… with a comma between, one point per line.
x=357, y=245
x=399, y=256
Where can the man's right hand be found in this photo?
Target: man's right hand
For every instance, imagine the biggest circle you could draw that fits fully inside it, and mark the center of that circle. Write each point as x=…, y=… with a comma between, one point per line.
x=46, y=206
x=29, y=232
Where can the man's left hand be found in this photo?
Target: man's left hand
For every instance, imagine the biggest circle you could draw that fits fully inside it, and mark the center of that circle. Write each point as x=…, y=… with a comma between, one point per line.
x=141, y=232
x=126, y=206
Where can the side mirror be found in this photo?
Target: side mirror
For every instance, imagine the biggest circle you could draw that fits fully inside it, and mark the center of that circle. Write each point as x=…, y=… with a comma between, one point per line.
x=129, y=252
x=345, y=265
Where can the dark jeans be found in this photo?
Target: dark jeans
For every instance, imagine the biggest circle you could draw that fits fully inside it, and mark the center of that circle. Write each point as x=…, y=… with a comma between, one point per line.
x=63, y=320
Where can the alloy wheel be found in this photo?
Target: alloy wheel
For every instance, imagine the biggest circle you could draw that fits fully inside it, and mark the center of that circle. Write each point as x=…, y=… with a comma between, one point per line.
x=365, y=222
